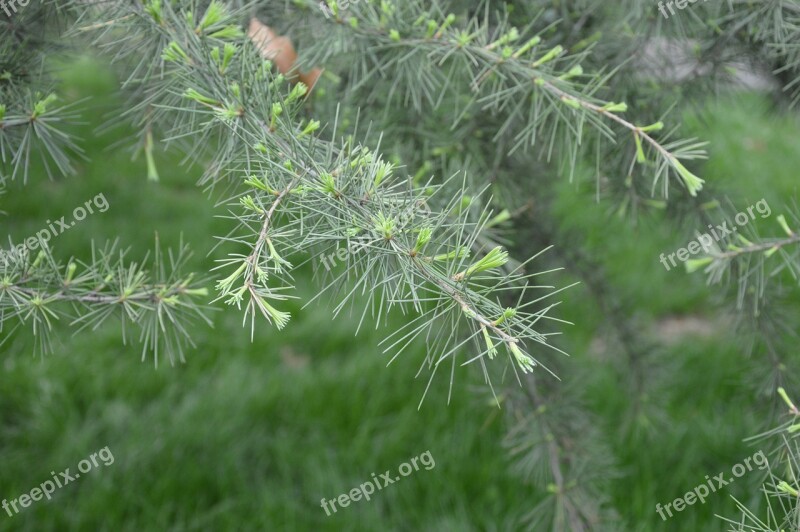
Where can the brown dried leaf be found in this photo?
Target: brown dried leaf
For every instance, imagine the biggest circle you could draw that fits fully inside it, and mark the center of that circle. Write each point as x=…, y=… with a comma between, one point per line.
x=280, y=51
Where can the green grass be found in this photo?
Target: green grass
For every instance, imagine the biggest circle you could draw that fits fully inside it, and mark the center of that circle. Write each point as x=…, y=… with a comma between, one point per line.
x=250, y=436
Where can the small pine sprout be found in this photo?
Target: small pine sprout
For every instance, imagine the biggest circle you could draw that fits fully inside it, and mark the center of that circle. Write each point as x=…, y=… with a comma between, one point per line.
x=153, y=8
x=215, y=13
x=271, y=313
x=384, y=226
x=196, y=292
x=613, y=107
x=261, y=274
x=174, y=53
x=640, y=157
x=460, y=253
x=507, y=315
x=508, y=37
x=577, y=70
x=387, y=8
x=658, y=126
x=549, y=56
x=40, y=257
x=525, y=362
x=225, y=284
x=446, y=24
x=328, y=183
x=463, y=38
x=254, y=182
x=494, y=259
x=277, y=110
x=228, y=113
x=423, y=238
x=237, y=296
x=383, y=170
x=277, y=81
x=431, y=31
x=276, y=258
x=785, y=226
x=787, y=488
x=298, y=91
x=40, y=107
x=693, y=183
x=70, y=273
x=228, y=32
x=490, y=348
x=334, y=7
x=502, y=216
x=572, y=102
x=692, y=265
x=229, y=50
x=299, y=190
x=192, y=94
x=311, y=127
x=249, y=203
x=236, y=90
x=364, y=157
x=787, y=400
x=527, y=46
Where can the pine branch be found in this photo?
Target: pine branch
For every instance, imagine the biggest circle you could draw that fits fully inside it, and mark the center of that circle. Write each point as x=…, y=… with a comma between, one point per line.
x=780, y=487
x=552, y=440
x=38, y=292
x=39, y=130
x=502, y=70
x=215, y=84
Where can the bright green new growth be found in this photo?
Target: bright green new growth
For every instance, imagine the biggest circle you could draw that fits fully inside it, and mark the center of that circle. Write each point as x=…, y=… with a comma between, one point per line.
x=494, y=259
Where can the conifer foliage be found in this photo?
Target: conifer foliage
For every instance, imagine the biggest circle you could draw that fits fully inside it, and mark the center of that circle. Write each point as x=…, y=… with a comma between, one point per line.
x=429, y=133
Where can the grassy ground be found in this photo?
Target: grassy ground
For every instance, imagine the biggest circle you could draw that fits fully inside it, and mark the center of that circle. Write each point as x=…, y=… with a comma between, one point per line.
x=250, y=436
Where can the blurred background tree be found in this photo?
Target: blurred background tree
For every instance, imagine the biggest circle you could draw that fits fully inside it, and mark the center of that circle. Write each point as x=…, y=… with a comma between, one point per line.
x=443, y=144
